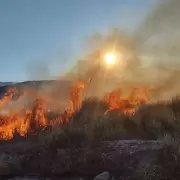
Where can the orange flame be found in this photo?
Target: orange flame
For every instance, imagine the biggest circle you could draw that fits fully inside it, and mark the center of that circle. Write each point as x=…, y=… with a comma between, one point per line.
x=26, y=119
x=128, y=105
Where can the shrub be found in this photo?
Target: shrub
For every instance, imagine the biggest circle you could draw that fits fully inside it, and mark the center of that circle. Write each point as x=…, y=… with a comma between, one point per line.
x=154, y=120
x=108, y=127
x=65, y=137
x=174, y=104
x=91, y=109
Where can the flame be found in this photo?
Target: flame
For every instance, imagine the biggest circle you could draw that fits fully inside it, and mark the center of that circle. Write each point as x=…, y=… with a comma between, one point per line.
x=27, y=119
x=11, y=92
x=17, y=121
x=128, y=105
x=75, y=95
x=23, y=119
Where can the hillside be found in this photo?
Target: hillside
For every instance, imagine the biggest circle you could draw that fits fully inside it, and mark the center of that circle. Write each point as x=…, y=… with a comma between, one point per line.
x=50, y=86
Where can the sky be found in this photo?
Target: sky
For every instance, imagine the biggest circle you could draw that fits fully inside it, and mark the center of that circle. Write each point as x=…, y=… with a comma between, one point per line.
x=50, y=33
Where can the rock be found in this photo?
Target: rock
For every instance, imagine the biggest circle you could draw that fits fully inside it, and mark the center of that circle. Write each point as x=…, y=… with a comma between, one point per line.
x=103, y=176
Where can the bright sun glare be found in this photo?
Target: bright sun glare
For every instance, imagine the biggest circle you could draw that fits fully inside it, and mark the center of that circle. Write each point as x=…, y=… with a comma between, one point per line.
x=110, y=58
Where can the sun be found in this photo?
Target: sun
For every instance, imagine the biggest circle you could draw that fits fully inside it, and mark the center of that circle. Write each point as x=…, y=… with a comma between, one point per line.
x=110, y=58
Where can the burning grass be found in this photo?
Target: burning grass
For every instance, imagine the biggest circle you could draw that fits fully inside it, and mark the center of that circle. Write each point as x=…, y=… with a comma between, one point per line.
x=90, y=126
x=93, y=120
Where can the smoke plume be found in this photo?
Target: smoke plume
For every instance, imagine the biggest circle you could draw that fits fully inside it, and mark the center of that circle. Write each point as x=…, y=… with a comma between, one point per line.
x=150, y=57
x=159, y=38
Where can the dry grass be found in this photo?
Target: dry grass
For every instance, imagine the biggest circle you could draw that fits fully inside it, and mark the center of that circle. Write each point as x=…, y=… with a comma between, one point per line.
x=90, y=125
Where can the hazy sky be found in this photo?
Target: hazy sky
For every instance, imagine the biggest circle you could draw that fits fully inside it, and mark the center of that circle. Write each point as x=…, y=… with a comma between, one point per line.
x=51, y=32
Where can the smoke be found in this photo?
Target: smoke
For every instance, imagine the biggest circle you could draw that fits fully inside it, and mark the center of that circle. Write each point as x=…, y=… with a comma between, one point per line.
x=159, y=33
x=92, y=67
x=150, y=55
x=159, y=38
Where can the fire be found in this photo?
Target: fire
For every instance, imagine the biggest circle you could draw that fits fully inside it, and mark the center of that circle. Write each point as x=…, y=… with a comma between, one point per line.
x=38, y=113
x=8, y=96
x=128, y=105
x=17, y=121
x=75, y=95
x=27, y=119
